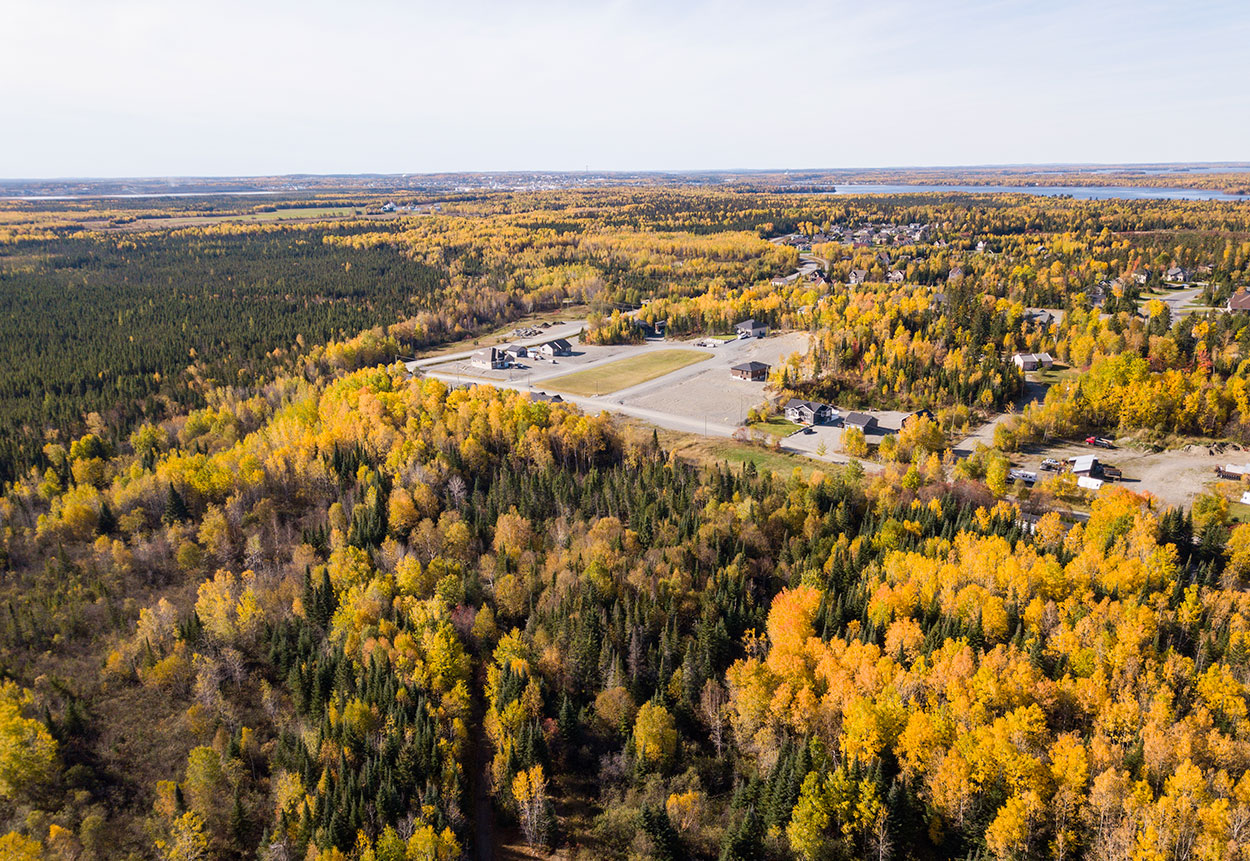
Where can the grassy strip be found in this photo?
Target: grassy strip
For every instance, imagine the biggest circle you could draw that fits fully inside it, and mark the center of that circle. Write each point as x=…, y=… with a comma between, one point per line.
x=621, y=374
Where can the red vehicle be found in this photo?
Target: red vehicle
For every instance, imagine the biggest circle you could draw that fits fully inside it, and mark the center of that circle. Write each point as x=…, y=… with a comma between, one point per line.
x=1100, y=442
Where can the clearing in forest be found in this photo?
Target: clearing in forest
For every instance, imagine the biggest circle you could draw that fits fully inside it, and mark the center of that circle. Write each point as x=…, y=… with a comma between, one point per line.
x=621, y=374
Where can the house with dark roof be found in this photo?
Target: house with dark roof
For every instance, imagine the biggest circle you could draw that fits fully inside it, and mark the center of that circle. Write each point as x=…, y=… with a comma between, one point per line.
x=753, y=371
x=862, y=421
x=917, y=416
x=857, y=276
x=808, y=412
x=751, y=329
x=516, y=351
x=1176, y=274
x=546, y=398
x=558, y=347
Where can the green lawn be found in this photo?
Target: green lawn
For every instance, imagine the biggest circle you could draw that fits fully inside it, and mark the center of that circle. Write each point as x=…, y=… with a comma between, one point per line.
x=624, y=373
x=1054, y=375
x=777, y=426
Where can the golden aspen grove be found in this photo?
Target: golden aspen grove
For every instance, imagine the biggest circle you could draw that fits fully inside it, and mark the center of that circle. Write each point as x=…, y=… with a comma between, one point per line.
x=272, y=588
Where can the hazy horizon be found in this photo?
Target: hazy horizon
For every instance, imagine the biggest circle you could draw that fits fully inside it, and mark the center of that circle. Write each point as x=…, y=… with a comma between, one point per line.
x=1180, y=165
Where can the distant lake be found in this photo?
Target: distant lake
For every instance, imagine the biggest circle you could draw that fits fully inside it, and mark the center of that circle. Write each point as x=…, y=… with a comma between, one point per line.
x=1089, y=192
x=134, y=194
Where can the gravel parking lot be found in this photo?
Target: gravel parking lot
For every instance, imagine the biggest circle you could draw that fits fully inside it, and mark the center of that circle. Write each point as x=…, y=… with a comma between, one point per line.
x=707, y=390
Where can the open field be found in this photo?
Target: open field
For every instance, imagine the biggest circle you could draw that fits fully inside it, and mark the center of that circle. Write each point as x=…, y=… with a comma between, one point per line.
x=624, y=373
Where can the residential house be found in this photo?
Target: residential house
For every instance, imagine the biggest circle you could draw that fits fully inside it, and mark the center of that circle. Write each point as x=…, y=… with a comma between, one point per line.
x=543, y=396
x=751, y=329
x=1240, y=301
x=491, y=358
x=895, y=276
x=857, y=276
x=1032, y=361
x=917, y=416
x=1176, y=274
x=753, y=371
x=558, y=347
x=780, y=280
x=808, y=412
x=955, y=274
x=516, y=351
x=862, y=421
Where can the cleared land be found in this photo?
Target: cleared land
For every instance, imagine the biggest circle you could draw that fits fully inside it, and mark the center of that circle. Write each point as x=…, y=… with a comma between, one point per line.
x=624, y=373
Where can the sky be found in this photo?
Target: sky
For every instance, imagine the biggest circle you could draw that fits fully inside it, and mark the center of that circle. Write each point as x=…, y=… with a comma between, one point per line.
x=103, y=88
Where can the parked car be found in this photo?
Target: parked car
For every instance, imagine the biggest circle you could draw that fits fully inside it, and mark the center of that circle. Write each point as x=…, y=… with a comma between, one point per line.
x=1050, y=465
x=1099, y=442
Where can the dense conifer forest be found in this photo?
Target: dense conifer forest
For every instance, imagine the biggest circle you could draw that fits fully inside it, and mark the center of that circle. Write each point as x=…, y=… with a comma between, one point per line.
x=266, y=594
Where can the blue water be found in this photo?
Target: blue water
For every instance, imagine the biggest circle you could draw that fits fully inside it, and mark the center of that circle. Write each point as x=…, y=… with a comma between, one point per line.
x=1092, y=192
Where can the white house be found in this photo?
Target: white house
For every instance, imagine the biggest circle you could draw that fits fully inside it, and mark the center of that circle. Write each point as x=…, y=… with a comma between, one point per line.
x=491, y=358
x=1033, y=361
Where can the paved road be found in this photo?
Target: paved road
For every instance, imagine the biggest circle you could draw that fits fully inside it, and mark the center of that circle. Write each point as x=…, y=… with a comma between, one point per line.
x=1177, y=302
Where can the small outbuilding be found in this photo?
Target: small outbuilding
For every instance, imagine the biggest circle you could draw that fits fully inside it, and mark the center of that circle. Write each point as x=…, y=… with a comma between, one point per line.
x=1086, y=464
x=753, y=371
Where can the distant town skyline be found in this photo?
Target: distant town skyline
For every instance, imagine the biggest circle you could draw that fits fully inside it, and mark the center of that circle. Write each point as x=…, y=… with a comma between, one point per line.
x=141, y=88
